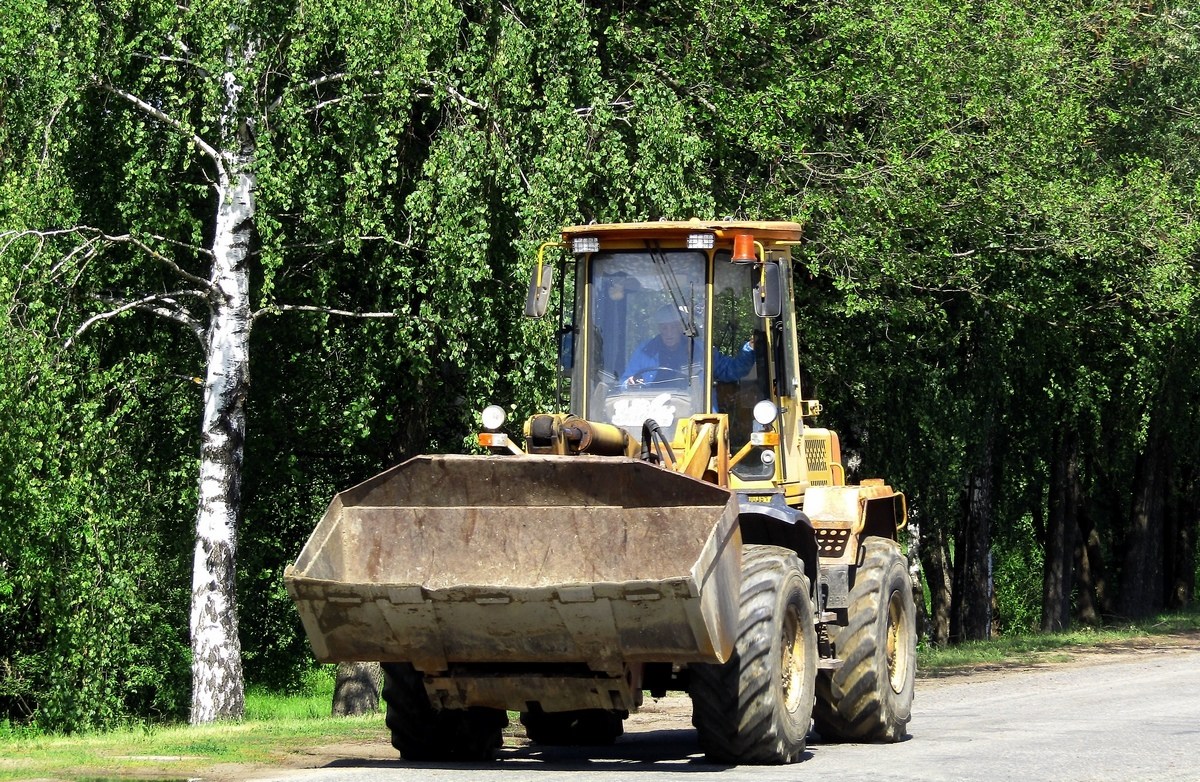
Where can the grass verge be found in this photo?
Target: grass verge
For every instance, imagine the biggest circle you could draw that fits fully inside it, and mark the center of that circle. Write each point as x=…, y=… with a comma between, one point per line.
x=1029, y=648
x=177, y=752
x=277, y=730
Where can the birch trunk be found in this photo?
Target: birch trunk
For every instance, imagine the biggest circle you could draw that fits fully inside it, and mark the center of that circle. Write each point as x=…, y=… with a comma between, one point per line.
x=218, y=690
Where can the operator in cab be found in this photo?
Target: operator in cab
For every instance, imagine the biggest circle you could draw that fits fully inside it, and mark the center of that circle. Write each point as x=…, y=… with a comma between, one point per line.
x=667, y=358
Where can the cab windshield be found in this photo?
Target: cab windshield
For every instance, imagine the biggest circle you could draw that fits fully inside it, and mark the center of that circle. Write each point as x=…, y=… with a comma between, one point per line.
x=643, y=351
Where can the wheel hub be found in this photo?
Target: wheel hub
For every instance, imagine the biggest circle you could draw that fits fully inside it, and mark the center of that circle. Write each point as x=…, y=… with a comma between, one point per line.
x=897, y=643
x=791, y=662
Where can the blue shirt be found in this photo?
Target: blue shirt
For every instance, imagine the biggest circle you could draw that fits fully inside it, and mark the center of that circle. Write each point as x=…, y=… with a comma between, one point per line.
x=653, y=355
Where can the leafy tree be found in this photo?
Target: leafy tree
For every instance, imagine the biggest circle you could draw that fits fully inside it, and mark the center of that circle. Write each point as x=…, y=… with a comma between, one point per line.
x=240, y=163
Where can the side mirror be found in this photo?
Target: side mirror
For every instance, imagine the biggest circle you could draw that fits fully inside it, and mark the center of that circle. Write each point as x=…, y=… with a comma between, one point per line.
x=768, y=292
x=538, y=300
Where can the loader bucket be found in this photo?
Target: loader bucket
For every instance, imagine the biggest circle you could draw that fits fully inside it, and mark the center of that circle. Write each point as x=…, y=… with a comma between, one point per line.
x=449, y=560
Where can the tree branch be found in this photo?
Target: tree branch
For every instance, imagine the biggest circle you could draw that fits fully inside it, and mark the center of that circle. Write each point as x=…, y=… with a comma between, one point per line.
x=164, y=305
x=407, y=245
x=92, y=235
x=165, y=118
x=276, y=309
x=328, y=78
x=617, y=106
x=676, y=87
x=338, y=77
x=46, y=135
x=87, y=247
x=175, y=60
x=332, y=101
x=165, y=261
x=454, y=94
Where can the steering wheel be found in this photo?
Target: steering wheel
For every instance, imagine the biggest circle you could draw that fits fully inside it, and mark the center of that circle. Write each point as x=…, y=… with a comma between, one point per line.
x=661, y=375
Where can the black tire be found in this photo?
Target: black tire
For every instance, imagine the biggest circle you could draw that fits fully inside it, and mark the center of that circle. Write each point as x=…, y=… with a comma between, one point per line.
x=869, y=699
x=585, y=727
x=423, y=733
x=757, y=707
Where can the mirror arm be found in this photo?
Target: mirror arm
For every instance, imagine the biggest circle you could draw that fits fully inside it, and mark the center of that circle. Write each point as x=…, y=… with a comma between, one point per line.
x=538, y=299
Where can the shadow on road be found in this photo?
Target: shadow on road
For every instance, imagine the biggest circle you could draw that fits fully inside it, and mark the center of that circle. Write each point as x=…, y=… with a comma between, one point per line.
x=667, y=750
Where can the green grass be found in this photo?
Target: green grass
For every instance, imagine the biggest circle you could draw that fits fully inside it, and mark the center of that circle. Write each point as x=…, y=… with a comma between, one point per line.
x=312, y=702
x=1026, y=648
x=282, y=727
x=276, y=727
x=176, y=751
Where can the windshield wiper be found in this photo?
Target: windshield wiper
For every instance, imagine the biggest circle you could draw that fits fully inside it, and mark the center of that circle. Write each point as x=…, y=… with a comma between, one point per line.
x=666, y=275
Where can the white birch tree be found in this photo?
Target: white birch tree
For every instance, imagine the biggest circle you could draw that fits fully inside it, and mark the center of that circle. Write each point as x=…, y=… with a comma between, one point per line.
x=199, y=83
x=212, y=165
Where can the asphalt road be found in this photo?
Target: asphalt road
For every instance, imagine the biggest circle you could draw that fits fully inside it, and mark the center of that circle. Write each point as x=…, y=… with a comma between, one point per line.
x=1124, y=718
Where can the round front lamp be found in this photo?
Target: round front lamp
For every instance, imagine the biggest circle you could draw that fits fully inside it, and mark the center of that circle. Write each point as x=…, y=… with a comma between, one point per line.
x=493, y=417
x=765, y=412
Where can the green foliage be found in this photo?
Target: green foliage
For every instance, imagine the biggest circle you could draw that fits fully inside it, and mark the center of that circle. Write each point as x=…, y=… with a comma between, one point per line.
x=312, y=699
x=88, y=630
x=1017, y=566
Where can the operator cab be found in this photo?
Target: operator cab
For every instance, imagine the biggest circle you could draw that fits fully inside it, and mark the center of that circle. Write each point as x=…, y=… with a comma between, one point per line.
x=666, y=330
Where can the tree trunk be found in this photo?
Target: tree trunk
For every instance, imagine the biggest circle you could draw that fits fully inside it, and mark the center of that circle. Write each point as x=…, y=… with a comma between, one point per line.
x=971, y=617
x=218, y=690
x=1092, y=596
x=1061, y=526
x=936, y=564
x=1180, y=541
x=356, y=690
x=915, y=545
x=1142, y=577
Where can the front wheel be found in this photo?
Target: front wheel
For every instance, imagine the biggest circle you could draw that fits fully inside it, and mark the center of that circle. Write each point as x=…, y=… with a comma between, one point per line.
x=757, y=707
x=870, y=697
x=423, y=733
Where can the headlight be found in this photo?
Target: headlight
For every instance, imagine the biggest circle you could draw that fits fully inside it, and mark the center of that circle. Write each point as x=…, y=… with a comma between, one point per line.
x=765, y=412
x=493, y=417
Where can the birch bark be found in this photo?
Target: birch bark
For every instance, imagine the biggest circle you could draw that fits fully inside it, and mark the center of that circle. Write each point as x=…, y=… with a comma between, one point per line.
x=218, y=687
x=217, y=684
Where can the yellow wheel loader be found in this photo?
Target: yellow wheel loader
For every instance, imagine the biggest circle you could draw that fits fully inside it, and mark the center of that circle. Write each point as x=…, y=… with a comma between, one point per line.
x=676, y=524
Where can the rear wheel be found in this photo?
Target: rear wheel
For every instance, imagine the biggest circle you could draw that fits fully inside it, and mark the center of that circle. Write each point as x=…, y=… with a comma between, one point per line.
x=585, y=727
x=870, y=697
x=757, y=707
x=421, y=732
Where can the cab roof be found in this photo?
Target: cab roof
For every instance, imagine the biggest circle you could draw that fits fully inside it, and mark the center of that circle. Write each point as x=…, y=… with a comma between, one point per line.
x=778, y=230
